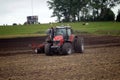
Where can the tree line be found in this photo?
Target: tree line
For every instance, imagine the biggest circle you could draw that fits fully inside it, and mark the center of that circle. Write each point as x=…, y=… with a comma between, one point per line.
x=83, y=10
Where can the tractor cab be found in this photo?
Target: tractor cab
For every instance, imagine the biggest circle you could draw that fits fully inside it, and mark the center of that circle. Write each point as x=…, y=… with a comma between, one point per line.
x=64, y=31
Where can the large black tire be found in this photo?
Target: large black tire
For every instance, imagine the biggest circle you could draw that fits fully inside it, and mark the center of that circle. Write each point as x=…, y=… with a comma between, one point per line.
x=67, y=49
x=79, y=45
x=47, y=49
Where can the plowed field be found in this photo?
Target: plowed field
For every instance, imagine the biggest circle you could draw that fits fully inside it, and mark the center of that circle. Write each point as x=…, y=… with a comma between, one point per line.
x=100, y=61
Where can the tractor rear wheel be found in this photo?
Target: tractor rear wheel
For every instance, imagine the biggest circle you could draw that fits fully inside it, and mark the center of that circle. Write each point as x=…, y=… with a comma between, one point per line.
x=67, y=49
x=79, y=45
x=47, y=49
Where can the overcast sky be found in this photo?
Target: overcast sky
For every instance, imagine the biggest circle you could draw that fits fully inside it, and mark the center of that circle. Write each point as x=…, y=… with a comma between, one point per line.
x=16, y=11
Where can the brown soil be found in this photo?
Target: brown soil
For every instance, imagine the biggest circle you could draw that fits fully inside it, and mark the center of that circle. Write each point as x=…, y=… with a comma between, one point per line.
x=100, y=61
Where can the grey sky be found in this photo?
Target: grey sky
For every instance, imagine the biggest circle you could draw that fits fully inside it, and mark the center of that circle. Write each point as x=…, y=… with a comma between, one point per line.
x=15, y=11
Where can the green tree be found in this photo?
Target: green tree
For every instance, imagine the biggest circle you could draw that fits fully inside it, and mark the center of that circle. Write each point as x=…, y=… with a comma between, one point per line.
x=107, y=15
x=99, y=6
x=77, y=10
x=66, y=9
x=118, y=16
x=56, y=6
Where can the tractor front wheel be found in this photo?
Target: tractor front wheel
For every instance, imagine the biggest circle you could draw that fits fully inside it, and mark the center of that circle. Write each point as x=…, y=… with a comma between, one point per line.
x=67, y=49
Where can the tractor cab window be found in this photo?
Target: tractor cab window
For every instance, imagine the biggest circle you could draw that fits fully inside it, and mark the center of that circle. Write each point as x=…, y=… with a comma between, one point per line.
x=48, y=32
x=60, y=31
x=69, y=32
x=63, y=31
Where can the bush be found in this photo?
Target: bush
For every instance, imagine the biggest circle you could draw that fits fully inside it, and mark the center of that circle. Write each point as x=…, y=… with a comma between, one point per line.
x=107, y=15
x=14, y=24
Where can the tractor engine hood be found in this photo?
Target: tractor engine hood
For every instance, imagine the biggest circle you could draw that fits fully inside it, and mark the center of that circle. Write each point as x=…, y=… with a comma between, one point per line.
x=58, y=38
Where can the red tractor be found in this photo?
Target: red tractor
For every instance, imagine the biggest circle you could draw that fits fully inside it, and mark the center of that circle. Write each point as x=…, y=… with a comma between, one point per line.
x=61, y=40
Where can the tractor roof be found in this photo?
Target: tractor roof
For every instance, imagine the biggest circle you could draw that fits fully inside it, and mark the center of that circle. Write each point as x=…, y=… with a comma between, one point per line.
x=63, y=27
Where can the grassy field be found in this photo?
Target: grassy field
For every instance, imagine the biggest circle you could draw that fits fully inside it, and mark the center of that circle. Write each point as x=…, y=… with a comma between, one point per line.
x=102, y=28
